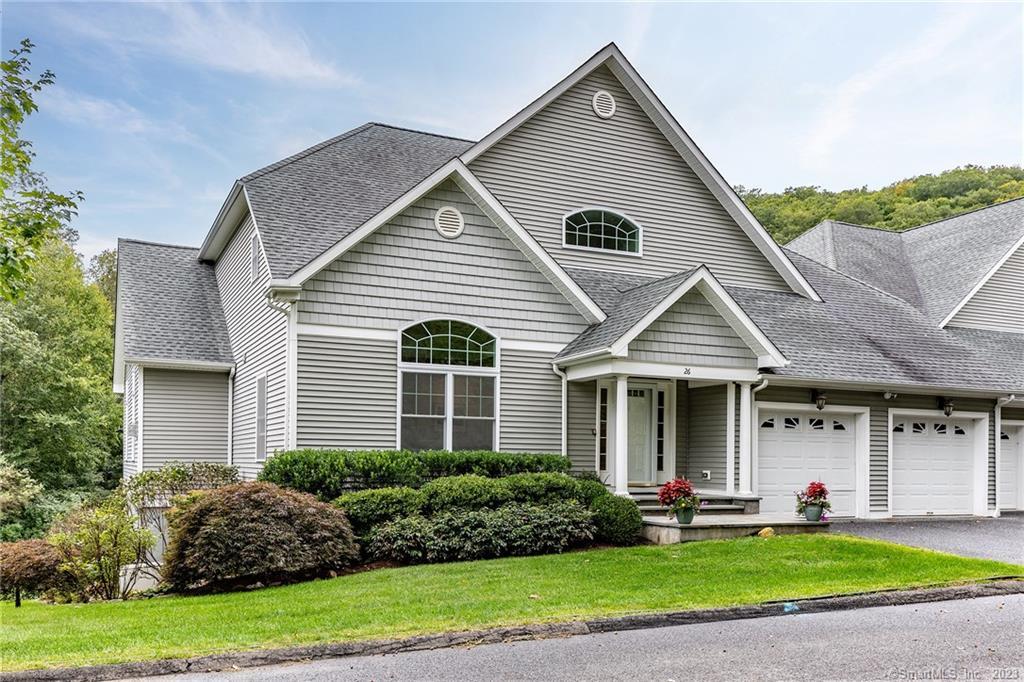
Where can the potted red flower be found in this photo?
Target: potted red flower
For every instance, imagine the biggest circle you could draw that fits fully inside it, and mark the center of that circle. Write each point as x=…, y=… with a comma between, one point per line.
x=680, y=498
x=813, y=502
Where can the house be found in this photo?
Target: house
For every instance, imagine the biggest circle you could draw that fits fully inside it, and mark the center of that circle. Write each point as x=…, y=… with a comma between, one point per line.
x=582, y=280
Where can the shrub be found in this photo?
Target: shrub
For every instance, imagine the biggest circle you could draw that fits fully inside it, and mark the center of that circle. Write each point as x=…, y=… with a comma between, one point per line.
x=617, y=519
x=331, y=473
x=250, y=533
x=96, y=543
x=368, y=508
x=512, y=530
x=590, y=489
x=28, y=567
x=542, y=488
x=469, y=492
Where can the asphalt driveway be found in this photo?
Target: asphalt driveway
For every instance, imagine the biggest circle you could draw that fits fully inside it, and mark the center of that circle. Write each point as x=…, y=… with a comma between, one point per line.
x=1001, y=539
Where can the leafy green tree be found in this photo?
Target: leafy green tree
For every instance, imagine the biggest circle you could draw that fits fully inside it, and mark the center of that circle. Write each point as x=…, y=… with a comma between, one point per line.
x=102, y=272
x=30, y=213
x=59, y=420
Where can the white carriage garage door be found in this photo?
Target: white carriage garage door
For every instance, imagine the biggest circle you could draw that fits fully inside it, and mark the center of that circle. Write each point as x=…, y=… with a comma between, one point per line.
x=795, y=448
x=932, y=466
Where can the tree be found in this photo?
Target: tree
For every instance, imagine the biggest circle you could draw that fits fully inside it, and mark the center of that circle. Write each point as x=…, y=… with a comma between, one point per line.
x=60, y=420
x=102, y=272
x=30, y=213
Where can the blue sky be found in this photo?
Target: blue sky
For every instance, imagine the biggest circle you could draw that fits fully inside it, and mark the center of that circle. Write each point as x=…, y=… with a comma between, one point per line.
x=158, y=108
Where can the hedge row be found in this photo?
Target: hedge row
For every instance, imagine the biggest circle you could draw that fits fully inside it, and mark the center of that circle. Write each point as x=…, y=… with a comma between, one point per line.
x=512, y=530
x=330, y=473
x=617, y=519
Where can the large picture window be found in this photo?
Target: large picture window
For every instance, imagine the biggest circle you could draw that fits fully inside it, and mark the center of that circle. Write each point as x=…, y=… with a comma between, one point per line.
x=597, y=228
x=448, y=379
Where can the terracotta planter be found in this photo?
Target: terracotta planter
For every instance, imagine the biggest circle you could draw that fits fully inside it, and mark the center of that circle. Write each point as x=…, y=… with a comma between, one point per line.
x=685, y=516
x=812, y=512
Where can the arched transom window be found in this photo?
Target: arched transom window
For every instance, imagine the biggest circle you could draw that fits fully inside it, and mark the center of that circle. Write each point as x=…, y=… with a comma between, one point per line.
x=448, y=381
x=599, y=228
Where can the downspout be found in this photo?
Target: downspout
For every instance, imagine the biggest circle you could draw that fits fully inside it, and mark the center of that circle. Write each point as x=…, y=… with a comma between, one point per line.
x=998, y=429
x=231, y=416
x=755, y=389
x=565, y=403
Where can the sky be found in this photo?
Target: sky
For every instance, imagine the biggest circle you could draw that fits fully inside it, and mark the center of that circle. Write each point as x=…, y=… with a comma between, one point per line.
x=158, y=108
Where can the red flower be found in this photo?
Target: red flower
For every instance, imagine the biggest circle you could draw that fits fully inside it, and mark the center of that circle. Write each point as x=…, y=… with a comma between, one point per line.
x=675, y=489
x=816, y=490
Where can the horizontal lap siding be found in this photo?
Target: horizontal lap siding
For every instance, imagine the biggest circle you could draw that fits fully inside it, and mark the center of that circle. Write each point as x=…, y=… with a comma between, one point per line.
x=582, y=420
x=406, y=271
x=997, y=304
x=186, y=417
x=259, y=344
x=566, y=158
x=131, y=420
x=879, y=420
x=707, y=435
x=531, y=403
x=347, y=393
x=1013, y=413
x=692, y=332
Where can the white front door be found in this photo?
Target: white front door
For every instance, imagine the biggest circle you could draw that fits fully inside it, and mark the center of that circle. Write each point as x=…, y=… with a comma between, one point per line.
x=640, y=439
x=932, y=465
x=795, y=448
x=1011, y=468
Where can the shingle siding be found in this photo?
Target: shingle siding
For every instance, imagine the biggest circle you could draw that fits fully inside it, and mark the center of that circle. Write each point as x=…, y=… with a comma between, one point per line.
x=879, y=428
x=347, y=393
x=999, y=303
x=185, y=417
x=691, y=332
x=406, y=271
x=566, y=158
x=582, y=420
x=259, y=340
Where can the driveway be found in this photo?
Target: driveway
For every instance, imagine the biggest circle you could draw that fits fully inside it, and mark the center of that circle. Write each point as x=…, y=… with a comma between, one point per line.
x=1001, y=539
x=976, y=639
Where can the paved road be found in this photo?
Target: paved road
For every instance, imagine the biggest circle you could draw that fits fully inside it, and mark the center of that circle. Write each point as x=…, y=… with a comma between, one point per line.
x=1001, y=538
x=971, y=639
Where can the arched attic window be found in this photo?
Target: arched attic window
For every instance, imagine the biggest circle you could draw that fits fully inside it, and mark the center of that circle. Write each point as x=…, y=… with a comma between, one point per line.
x=601, y=228
x=448, y=380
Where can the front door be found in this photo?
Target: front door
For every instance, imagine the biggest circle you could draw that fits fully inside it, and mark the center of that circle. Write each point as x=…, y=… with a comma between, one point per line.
x=639, y=421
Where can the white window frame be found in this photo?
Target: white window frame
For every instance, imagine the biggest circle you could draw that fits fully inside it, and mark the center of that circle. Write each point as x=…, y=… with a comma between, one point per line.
x=254, y=257
x=449, y=371
x=575, y=247
x=257, y=455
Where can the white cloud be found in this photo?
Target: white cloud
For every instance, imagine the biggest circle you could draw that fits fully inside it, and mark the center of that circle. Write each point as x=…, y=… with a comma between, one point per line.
x=243, y=39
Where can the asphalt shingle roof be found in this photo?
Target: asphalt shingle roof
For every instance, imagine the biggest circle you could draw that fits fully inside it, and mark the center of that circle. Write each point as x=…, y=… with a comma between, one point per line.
x=308, y=202
x=169, y=304
x=932, y=267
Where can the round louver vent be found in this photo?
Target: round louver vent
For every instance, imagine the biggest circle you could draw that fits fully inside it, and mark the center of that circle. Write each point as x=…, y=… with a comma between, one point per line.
x=603, y=103
x=449, y=222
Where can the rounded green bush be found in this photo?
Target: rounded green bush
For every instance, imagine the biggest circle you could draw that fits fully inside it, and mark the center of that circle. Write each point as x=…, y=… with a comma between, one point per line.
x=253, y=532
x=464, y=492
x=617, y=519
x=590, y=489
x=542, y=488
x=368, y=508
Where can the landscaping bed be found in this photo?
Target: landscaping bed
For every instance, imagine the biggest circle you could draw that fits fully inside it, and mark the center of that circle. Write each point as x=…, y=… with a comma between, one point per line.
x=398, y=602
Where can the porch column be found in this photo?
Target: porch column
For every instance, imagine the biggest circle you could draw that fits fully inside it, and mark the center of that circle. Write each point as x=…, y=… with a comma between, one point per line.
x=621, y=475
x=730, y=438
x=745, y=439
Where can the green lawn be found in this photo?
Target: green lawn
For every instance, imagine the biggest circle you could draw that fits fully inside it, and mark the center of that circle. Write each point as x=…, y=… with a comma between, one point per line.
x=397, y=602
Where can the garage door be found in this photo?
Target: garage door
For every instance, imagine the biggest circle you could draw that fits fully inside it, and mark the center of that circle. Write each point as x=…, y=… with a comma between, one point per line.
x=794, y=449
x=932, y=462
x=1010, y=465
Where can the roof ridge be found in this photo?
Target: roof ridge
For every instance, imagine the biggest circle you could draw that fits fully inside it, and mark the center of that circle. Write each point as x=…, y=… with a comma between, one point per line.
x=660, y=279
x=305, y=152
x=152, y=243
x=421, y=132
x=859, y=281
x=960, y=215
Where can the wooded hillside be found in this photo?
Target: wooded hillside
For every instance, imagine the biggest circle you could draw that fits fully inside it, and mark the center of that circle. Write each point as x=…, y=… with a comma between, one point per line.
x=901, y=205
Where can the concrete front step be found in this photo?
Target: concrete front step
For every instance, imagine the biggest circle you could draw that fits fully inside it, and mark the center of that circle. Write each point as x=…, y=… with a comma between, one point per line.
x=647, y=500
x=653, y=509
x=664, y=531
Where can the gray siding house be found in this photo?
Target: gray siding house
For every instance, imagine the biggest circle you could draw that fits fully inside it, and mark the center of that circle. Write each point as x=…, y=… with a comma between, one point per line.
x=582, y=280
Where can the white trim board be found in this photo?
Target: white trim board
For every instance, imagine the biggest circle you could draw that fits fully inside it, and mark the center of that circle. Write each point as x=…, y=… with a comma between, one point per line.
x=984, y=280
x=613, y=58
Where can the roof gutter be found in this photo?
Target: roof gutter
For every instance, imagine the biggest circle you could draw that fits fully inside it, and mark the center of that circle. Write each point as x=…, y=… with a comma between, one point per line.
x=896, y=387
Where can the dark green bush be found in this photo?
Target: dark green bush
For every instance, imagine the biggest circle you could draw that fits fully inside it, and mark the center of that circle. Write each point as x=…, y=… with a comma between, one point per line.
x=250, y=533
x=512, y=530
x=542, y=488
x=330, y=473
x=368, y=508
x=469, y=492
x=589, y=490
x=617, y=519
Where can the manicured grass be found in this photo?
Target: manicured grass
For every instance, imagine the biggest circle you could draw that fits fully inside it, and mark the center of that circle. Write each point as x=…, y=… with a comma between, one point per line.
x=393, y=603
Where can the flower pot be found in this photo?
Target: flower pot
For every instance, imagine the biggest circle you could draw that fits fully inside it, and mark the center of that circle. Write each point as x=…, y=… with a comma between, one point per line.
x=685, y=515
x=812, y=512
